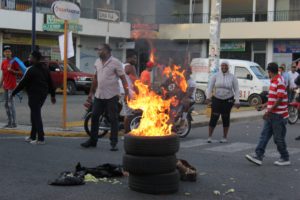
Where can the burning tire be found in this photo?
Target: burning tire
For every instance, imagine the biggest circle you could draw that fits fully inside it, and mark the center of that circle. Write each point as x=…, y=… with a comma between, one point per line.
x=155, y=184
x=149, y=165
x=151, y=146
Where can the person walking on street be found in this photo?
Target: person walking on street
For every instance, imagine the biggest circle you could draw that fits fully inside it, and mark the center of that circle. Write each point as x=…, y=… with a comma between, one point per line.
x=275, y=120
x=38, y=83
x=9, y=82
x=105, y=89
x=226, y=95
x=293, y=74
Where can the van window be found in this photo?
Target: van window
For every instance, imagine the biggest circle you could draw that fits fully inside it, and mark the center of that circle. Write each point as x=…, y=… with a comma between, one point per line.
x=241, y=72
x=259, y=72
x=53, y=67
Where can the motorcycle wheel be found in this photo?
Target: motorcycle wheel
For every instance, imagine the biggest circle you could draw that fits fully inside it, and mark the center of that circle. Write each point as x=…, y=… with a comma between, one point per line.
x=87, y=125
x=187, y=128
x=293, y=114
x=135, y=122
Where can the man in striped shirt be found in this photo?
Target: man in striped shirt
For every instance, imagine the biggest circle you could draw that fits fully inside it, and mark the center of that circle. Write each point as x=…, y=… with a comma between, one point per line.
x=275, y=119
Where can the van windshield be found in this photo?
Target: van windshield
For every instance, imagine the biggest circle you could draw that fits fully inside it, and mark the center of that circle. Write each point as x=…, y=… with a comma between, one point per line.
x=259, y=72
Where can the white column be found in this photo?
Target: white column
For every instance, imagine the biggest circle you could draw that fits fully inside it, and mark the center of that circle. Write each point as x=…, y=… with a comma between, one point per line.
x=191, y=12
x=271, y=10
x=269, y=51
x=78, y=48
x=203, y=49
x=254, y=10
x=125, y=9
x=205, y=11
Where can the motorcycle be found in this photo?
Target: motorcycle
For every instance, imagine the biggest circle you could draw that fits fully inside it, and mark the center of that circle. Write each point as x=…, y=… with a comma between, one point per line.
x=294, y=109
x=177, y=128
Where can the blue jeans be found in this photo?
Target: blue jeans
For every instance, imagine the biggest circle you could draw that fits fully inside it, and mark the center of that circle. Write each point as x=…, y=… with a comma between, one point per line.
x=274, y=126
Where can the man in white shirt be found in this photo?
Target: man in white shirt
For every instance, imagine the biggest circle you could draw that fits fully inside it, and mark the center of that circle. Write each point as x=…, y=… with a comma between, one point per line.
x=293, y=74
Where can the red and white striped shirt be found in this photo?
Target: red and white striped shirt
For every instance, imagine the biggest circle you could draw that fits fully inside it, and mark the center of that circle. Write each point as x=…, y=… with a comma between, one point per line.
x=277, y=91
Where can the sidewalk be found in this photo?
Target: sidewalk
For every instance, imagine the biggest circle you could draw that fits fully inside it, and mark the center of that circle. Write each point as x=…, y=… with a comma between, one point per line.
x=75, y=129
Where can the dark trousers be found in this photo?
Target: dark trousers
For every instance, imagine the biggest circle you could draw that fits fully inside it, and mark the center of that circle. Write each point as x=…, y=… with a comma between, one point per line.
x=223, y=108
x=35, y=103
x=109, y=106
x=274, y=126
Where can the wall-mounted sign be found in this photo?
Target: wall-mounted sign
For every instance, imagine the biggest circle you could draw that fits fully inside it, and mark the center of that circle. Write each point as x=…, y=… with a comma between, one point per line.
x=233, y=46
x=144, y=31
x=65, y=10
x=108, y=15
x=287, y=46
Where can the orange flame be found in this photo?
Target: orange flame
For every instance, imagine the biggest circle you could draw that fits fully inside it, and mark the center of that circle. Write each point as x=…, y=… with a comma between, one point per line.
x=152, y=56
x=155, y=118
x=177, y=76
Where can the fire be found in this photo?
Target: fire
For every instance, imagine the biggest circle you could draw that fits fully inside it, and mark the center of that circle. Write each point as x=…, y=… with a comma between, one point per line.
x=177, y=76
x=152, y=56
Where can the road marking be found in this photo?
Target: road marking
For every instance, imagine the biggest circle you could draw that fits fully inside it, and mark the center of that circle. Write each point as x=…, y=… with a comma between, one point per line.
x=273, y=153
x=231, y=148
x=193, y=143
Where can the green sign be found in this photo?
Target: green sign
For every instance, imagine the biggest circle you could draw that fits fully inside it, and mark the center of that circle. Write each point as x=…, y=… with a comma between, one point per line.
x=60, y=27
x=233, y=46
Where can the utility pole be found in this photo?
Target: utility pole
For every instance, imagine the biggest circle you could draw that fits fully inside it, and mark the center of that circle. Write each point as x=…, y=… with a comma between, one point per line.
x=33, y=35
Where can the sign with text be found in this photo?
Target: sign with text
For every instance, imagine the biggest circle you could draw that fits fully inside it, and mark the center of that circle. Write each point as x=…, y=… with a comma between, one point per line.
x=233, y=46
x=57, y=25
x=108, y=15
x=66, y=10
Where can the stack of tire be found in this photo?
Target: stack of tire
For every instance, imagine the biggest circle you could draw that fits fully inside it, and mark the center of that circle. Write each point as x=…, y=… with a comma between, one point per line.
x=151, y=163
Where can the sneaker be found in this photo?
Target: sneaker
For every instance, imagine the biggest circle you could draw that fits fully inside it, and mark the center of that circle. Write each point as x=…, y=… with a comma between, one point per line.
x=209, y=140
x=38, y=142
x=14, y=125
x=254, y=159
x=282, y=162
x=28, y=139
x=114, y=148
x=297, y=138
x=89, y=144
x=7, y=126
x=224, y=140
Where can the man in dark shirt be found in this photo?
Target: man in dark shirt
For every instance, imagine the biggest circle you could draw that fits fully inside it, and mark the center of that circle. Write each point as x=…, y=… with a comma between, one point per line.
x=38, y=84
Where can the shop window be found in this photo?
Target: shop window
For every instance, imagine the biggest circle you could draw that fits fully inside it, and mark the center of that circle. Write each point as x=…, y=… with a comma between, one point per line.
x=241, y=72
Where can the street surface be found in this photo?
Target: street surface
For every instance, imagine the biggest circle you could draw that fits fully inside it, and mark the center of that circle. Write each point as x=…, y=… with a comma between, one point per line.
x=25, y=169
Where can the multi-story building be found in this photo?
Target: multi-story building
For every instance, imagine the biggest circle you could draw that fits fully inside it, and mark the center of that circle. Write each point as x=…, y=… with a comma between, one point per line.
x=257, y=30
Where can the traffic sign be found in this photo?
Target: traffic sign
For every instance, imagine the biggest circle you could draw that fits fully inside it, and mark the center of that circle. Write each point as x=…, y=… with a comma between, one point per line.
x=65, y=10
x=108, y=15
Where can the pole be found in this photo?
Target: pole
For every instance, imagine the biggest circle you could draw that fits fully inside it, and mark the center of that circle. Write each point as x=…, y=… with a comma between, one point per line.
x=65, y=74
x=33, y=35
x=107, y=34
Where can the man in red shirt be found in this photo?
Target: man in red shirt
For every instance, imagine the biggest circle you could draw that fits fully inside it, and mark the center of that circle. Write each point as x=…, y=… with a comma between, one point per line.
x=9, y=82
x=275, y=119
x=146, y=74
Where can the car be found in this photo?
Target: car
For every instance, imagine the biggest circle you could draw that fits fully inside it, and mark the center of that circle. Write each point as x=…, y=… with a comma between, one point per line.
x=76, y=79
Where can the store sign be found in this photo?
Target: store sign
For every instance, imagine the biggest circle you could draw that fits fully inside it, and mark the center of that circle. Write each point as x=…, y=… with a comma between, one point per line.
x=23, y=40
x=144, y=31
x=65, y=10
x=126, y=45
x=108, y=15
x=233, y=46
x=57, y=25
x=286, y=46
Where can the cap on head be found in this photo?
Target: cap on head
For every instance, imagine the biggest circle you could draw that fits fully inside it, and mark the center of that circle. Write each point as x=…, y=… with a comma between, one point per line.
x=149, y=64
x=225, y=63
x=6, y=47
x=273, y=67
x=104, y=46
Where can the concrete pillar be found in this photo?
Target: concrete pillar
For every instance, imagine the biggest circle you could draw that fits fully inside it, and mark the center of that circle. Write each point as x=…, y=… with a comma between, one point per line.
x=271, y=10
x=124, y=10
x=78, y=48
x=191, y=12
x=205, y=11
x=254, y=10
x=269, y=51
x=203, y=49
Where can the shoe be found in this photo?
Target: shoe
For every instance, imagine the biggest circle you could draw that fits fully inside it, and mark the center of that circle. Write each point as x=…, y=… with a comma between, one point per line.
x=28, y=139
x=89, y=144
x=209, y=140
x=282, y=162
x=14, y=125
x=254, y=159
x=114, y=148
x=38, y=142
x=297, y=138
x=7, y=126
x=224, y=140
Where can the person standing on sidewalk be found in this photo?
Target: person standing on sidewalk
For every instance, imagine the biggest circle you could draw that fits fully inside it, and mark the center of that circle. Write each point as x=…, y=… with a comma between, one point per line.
x=293, y=74
x=105, y=89
x=9, y=82
x=226, y=95
x=275, y=120
x=38, y=83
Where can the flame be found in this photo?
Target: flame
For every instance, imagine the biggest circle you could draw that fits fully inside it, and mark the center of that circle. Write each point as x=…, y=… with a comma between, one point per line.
x=155, y=118
x=152, y=56
x=177, y=76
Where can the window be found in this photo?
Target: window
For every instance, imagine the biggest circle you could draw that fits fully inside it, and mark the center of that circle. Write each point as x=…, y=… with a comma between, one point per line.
x=53, y=67
x=241, y=72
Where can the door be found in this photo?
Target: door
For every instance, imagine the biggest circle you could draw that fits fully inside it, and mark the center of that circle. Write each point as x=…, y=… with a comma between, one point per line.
x=56, y=74
x=260, y=59
x=245, y=82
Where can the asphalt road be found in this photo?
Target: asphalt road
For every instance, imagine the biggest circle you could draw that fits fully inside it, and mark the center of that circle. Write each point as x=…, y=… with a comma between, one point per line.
x=25, y=169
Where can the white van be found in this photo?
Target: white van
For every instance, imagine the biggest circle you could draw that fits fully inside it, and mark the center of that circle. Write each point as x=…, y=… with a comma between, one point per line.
x=253, y=80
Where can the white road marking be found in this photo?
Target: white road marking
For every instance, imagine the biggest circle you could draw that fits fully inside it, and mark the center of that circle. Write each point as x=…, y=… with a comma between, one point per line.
x=231, y=148
x=193, y=143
